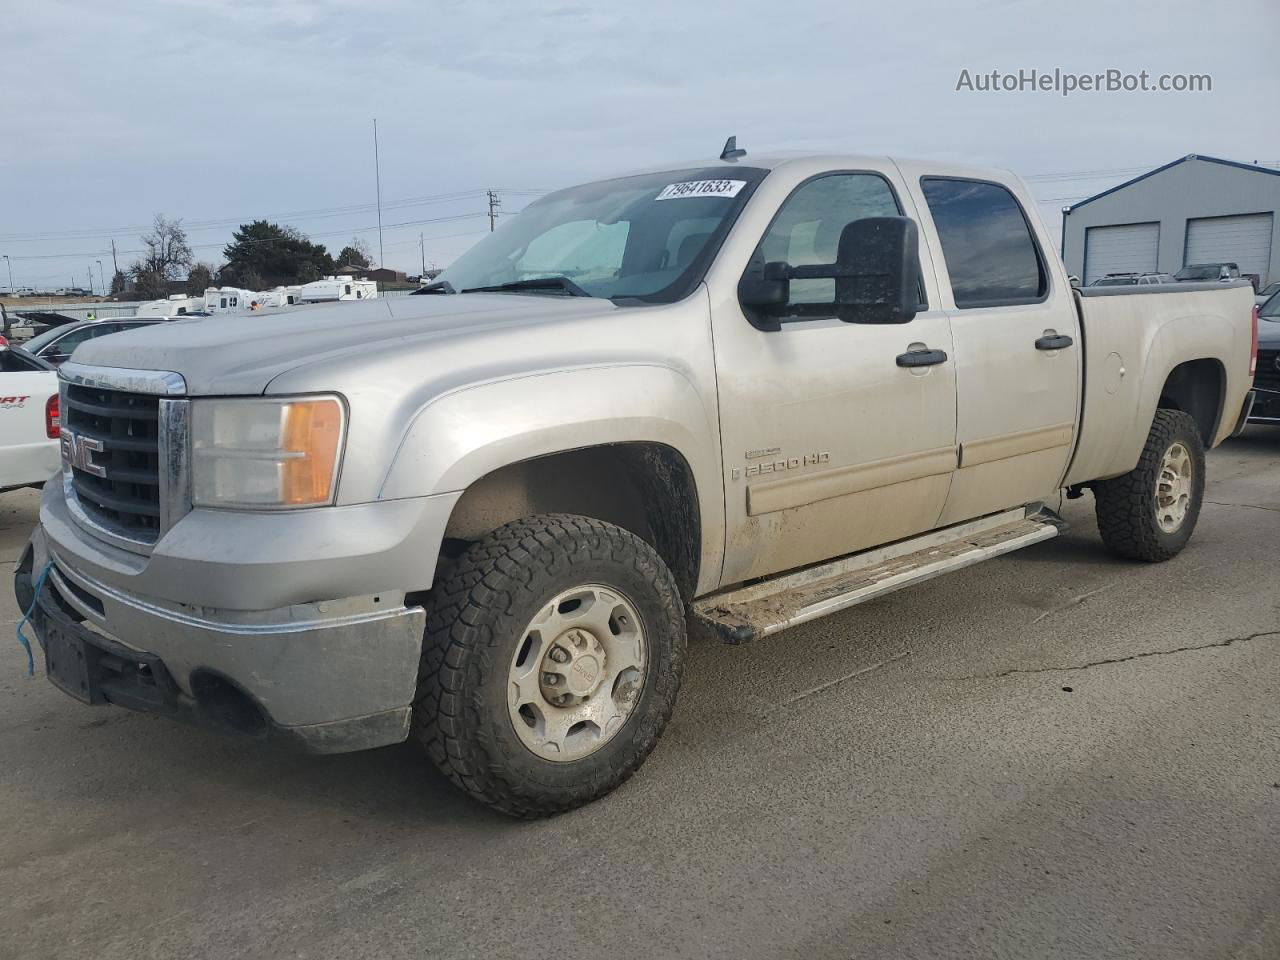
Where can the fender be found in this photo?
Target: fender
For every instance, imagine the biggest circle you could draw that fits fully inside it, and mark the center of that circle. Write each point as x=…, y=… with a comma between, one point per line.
x=462, y=435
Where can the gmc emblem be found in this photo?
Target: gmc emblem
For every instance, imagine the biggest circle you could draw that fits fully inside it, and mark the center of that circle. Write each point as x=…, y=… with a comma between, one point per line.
x=78, y=451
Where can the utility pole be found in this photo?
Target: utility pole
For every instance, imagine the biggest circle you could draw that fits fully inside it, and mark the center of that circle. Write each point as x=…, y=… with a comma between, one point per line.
x=10, y=265
x=423, y=250
x=102, y=277
x=494, y=204
x=115, y=267
x=91, y=279
x=377, y=179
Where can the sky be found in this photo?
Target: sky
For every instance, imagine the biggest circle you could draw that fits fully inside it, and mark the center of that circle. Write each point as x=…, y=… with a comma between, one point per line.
x=223, y=111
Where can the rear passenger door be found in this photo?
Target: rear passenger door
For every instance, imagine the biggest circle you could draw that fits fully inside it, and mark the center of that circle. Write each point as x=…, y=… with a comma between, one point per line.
x=1017, y=347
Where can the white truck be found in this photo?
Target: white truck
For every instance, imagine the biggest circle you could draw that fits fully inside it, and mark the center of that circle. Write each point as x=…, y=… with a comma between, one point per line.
x=751, y=392
x=28, y=419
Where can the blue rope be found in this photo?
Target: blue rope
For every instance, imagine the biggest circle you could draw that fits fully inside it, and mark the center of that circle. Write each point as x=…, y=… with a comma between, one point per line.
x=26, y=617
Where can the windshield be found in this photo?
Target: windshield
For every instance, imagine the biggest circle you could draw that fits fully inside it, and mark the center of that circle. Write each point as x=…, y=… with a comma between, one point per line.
x=36, y=343
x=1270, y=290
x=648, y=237
x=1271, y=308
x=1114, y=282
x=1199, y=271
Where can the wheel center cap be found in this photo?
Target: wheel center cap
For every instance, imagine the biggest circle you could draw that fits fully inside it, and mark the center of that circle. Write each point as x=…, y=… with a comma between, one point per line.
x=583, y=673
x=573, y=668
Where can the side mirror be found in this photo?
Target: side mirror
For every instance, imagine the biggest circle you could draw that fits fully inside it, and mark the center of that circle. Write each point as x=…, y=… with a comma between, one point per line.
x=876, y=273
x=879, y=271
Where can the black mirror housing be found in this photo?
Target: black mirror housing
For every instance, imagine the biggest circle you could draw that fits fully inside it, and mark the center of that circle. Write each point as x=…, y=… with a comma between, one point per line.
x=876, y=273
x=878, y=276
x=763, y=291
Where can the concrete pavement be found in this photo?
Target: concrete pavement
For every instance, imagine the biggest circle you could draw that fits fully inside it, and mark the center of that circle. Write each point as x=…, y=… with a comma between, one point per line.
x=1051, y=755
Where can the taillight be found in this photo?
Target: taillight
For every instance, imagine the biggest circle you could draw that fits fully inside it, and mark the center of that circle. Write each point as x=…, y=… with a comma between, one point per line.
x=52, y=418
x=1253, y=351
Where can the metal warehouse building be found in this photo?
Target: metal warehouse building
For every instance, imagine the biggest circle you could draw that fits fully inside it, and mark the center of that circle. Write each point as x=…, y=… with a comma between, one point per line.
x=1194, y=210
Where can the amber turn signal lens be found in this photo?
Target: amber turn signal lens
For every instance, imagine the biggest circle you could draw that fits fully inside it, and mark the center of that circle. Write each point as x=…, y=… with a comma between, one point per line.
x=311, y=434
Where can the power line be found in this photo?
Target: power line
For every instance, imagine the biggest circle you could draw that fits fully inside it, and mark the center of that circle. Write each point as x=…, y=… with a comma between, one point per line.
x=206, y=246
x=314, y=214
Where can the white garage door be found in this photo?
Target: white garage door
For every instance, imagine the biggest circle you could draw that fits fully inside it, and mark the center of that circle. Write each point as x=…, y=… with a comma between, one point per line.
x=1245, y=240
x=1131, y=248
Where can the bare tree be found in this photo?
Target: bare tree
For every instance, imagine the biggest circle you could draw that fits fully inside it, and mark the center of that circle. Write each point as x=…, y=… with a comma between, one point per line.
x=356, y=254
x=168, y=255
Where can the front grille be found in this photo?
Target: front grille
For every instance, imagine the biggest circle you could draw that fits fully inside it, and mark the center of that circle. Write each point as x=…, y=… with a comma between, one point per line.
x=1268, y=373
x=127, y=497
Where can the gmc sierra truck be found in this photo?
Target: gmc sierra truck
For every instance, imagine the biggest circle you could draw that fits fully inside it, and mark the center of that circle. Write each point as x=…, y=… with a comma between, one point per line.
x=744, y=393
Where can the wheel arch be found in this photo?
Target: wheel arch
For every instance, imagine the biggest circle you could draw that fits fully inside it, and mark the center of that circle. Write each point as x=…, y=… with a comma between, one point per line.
x=622, y=443
x=646, y=488
x=1197, y=388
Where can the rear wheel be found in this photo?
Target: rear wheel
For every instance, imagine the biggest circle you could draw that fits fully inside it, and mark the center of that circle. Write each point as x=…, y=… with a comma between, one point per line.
x=551, y=663
x=1150, y=512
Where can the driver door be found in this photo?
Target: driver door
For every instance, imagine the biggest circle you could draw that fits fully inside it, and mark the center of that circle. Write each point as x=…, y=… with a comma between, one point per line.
x=830, y=444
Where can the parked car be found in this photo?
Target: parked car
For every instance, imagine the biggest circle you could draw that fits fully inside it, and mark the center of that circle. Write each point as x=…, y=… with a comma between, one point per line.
x=28, y=419
x=1200, y=272
x=1131, y=279
x=56, y=344
x=756, y=392
x=1266, y=383
x=1266, y=293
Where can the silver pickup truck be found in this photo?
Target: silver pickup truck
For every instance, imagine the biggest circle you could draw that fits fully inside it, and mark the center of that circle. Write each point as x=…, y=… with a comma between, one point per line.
x=744, y=394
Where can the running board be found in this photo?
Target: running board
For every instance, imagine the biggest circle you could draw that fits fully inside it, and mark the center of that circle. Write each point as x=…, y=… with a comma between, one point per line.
x=764, y=607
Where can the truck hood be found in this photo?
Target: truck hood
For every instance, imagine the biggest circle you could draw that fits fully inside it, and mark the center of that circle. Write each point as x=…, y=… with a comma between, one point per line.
x=241, y=355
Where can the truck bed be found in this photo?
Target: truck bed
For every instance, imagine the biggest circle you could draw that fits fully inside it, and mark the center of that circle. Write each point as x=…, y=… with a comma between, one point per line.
x=1136, y=336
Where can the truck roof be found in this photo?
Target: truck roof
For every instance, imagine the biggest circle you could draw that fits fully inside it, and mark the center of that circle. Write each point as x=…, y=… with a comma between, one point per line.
x=775, y=160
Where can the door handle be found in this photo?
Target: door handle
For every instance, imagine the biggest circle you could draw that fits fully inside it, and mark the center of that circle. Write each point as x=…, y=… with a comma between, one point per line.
x=922, y=358
x=1054, y=342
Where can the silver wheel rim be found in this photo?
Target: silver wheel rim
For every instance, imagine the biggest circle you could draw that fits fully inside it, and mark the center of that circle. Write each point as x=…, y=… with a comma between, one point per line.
x=577, y=673
x=1173, y=488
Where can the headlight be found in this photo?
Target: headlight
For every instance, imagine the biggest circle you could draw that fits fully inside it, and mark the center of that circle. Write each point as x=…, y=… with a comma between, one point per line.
x=266, y=452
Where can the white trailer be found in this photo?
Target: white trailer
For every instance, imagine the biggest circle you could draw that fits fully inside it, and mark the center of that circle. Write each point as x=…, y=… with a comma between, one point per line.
x=228, y=300
x=338, y=288
x=176, y=305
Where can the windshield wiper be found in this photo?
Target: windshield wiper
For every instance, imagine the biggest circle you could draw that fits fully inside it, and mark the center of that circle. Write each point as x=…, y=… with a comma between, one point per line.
x=563, y=284
x=439, y=286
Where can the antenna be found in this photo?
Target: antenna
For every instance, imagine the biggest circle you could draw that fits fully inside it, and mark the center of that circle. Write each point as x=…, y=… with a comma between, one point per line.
x=731, y=150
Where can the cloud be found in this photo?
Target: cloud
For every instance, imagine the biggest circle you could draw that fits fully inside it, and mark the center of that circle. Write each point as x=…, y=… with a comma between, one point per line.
x=216, y=109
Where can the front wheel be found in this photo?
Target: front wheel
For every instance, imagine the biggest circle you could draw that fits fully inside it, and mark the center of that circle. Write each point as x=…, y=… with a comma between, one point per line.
x=1151, y=511
x=550, y=665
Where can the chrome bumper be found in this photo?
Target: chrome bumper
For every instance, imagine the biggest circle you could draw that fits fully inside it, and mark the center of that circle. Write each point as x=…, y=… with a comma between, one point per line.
x=332, y=676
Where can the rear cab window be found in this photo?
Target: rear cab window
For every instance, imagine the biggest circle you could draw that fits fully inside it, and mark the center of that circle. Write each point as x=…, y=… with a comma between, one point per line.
x=987, y=243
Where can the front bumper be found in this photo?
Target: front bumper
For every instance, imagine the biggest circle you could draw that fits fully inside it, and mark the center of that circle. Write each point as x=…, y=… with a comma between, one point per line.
x=228, y=637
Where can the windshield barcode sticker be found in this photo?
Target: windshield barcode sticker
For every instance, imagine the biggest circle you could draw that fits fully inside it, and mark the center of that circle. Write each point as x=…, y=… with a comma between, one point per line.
x=701, y=188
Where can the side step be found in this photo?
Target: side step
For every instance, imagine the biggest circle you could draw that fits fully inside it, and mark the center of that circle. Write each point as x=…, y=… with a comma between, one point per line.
x=764, y=607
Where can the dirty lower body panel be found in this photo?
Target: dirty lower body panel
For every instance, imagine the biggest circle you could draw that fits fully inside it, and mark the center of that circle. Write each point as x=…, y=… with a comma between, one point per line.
x=756, y=610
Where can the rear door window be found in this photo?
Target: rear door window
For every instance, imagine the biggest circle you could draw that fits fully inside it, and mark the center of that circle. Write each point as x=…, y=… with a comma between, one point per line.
x=987, y=243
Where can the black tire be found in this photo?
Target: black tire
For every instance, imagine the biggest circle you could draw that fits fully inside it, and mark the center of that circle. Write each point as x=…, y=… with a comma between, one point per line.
x=475, y=621
x=1126, y=506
